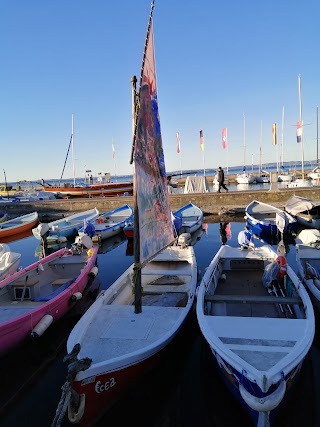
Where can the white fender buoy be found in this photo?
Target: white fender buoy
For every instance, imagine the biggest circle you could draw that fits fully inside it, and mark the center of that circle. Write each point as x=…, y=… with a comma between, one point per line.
x=75, y=417
x=42, y=326
x=93, y=272
x=76, y=296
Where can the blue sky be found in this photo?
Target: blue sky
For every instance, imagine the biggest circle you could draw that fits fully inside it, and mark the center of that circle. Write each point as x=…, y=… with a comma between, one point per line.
x=215, y=62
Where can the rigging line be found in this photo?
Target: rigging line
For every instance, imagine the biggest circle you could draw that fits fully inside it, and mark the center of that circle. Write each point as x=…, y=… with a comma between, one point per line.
x=65, y=160
x=140, y=83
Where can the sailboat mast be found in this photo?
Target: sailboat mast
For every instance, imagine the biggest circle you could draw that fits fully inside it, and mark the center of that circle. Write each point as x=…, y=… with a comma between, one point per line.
x=72, y=136
x=282, y=135
x=300, y=119
x=317, y=138
x=244, y=140
x=260, y=165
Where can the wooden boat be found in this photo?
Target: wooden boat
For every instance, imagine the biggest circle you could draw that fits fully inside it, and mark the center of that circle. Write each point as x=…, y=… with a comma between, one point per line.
x=18, y=225
x=259, y=323
x=128, y=229
x=108, y=189
x=124, y=333
x=308, y=262
x=3, y=216
x=191, y=218
x=9, y=261
x=108, y=224
x=38, y=295
x=65, y=227
x=265, y=217
x=306, y=211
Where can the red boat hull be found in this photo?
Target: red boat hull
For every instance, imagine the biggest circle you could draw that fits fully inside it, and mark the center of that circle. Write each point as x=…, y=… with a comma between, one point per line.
x=112, y=189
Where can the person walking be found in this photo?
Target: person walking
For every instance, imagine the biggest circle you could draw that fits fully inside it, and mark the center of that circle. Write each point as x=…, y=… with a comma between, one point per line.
x=221, y=179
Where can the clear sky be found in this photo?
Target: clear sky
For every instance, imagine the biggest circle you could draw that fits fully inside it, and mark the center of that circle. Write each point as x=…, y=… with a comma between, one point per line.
x=216, y=62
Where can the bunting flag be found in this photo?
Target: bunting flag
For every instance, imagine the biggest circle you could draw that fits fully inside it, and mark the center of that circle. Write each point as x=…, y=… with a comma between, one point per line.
x=274, y=134
x=201, y=141
x=299, y=131
x=113, y=151
x=224, y=138
x=178, y=142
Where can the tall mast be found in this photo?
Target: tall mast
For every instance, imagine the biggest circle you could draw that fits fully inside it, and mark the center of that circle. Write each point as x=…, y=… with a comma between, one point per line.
x=300, y=119
x=260, y=166
x=73, y=166
x=244, y=140
x=282, y=135
x=317, y=138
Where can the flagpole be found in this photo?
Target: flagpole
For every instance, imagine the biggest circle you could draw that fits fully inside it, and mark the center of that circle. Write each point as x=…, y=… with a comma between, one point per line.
x=300, y=117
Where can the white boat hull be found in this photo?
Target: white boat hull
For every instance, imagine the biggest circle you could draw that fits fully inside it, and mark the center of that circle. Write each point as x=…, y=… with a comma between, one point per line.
x=123, y=344
x=258, y=348
x=245, y=178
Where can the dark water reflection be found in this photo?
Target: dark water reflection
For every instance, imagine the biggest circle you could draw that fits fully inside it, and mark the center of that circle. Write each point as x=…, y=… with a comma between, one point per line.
x=184, y=390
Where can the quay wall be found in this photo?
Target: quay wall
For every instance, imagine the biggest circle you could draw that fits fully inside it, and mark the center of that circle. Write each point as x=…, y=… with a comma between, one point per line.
x=210, y=203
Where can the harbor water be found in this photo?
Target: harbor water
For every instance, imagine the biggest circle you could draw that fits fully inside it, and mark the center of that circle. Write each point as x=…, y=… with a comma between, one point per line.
x=184, y=390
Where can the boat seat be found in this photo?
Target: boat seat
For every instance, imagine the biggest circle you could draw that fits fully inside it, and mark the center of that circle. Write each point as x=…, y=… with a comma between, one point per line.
x=246, y=264
x=160, y=289
x=255, y=299
x=56, y=292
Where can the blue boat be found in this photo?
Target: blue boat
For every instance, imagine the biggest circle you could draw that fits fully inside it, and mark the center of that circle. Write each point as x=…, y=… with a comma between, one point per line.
x=191, y=218
x=108, y=224
x=270, y=219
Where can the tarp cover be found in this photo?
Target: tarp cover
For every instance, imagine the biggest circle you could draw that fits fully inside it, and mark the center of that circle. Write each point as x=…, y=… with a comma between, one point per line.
x=196, y=184
x=298, y=204
x=310, y=237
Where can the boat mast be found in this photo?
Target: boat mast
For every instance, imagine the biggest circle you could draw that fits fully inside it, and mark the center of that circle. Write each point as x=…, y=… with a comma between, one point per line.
x=300, y=119
x=260, y=166
x=317, y=138
x=244, y=140
x=72, y=136
x=282, y=135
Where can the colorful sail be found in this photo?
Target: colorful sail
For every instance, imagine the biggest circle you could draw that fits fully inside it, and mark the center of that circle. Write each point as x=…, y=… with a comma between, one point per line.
x=274, y=134
x=155, y=226
x=201, y=140
x=299, y=131
x=178, y=142
x=224, y=138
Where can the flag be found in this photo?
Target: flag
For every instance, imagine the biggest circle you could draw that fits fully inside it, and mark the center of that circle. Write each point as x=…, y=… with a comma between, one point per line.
x=201, y=141
x=274, y=134
x=178, y=141
x=224, y=138
x=113, y=151
x=299, y=131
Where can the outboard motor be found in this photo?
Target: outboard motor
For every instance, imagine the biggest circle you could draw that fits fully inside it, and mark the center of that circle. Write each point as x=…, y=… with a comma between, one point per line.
x=82, y=242
x=43, y=228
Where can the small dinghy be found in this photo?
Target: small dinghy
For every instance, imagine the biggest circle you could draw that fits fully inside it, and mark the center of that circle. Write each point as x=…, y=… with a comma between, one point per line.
x=259, y=323
x=270, y=219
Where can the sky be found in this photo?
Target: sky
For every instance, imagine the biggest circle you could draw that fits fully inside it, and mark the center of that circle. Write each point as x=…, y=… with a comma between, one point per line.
x=228, y=64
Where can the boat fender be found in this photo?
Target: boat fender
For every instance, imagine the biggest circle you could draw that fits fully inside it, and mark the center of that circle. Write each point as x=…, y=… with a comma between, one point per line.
x=75, y=417
x=281, y=260
x=222, y=278
x=42, y=326
x=93, y=272
x=317, y=283
x=264, y=404
x=76, y=296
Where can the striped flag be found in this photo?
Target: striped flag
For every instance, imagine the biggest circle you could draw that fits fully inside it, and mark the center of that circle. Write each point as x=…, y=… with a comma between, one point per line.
x=201, y=141
x=178, y=142
x=113, y=151
x=224, y=138
x=299, y=131
x=274, y=134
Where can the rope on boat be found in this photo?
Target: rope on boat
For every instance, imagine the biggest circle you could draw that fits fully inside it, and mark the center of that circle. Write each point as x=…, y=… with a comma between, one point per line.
x=68, y=394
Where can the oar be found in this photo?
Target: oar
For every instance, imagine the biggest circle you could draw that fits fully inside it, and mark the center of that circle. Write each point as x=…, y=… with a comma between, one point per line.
x=24, y=288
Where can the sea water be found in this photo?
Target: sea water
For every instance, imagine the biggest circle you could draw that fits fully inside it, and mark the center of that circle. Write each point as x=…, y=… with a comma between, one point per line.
x=184, y=390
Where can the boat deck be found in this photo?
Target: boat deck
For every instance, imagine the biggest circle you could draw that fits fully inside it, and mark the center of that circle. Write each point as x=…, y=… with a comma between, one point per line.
x=243, y=295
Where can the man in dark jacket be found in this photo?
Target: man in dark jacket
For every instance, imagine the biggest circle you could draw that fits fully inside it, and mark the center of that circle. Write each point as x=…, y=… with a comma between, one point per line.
x=221, y=180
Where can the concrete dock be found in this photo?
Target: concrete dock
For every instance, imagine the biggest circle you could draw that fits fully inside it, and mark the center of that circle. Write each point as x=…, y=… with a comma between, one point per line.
x=212, y=203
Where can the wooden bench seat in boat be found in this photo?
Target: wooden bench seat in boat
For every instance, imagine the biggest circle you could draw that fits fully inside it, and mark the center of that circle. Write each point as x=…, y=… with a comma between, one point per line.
x=256, y=299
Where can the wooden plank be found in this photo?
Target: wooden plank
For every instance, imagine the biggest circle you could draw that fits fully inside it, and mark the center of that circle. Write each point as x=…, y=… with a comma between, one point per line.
x=267, y=299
